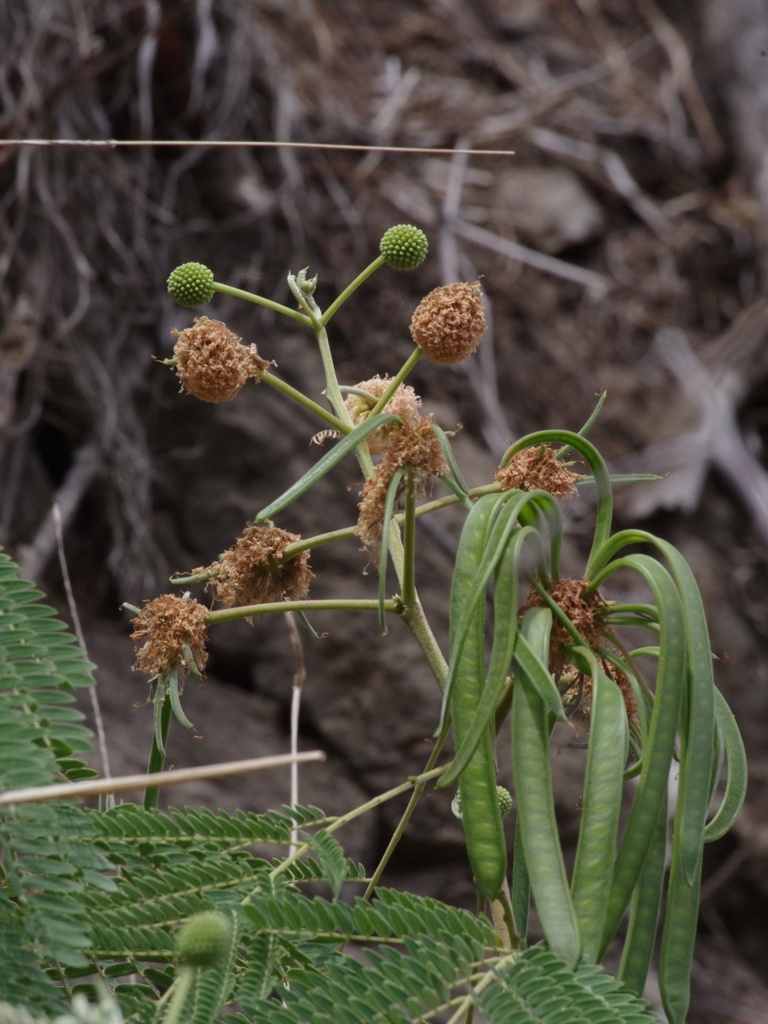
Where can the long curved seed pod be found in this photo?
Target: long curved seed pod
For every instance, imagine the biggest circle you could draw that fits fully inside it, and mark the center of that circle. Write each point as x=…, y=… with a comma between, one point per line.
x=697, y=734
x=603, y=786
x=736, y=782
x=660, y=740
x=474, y=568
x=535, y=802
x=700, y=746
x=471, y=572
x=505, y=602
x=480, y=811
x=646, y=908
x=481, y=815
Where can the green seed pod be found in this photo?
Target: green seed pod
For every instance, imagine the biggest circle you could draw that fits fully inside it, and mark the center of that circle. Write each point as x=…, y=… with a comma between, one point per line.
x=404, y=247
x=204, y=939
x=191, y=284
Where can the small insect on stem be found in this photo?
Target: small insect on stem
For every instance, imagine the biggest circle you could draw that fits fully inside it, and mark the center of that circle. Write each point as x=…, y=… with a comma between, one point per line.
x=325, y=435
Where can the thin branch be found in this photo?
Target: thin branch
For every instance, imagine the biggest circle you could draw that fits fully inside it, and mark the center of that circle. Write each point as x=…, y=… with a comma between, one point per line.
x=97, y=716
x=95, y=787
x=252, y=144
x=299, y=678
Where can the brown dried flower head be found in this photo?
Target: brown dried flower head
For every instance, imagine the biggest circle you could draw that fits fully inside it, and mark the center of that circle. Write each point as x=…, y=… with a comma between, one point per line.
x=404, y=403
x=415, y=448
x=449, y=322
x=253, y=570
x=172, y=634
x=537, y=469
x=212, y=363
x=586, y=612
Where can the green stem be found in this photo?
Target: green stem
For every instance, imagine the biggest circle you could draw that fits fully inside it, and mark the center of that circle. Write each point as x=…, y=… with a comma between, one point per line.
x=308, y=543
x=180, y=990
x=397, y=380
x=157, y=752
x=182, y=581
x=417, y=622
x=418, y=789
x=274, y=607
x=465, y=1003
x=238, y=293
x=413, y=614
x=369, y=805
x=408, y=592
x=363, y=276
x=451, y=499
x=307, y=403
x=349, y=532
x=332, y=390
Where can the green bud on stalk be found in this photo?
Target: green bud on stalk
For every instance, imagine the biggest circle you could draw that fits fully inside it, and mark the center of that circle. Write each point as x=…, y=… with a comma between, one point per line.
x=191, y=284
x=203, y=940
x=404, y=247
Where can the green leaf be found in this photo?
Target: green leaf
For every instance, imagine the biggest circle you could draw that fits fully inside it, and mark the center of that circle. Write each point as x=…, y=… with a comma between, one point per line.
x=386, y=525
x=325, y=464
x=736, y=782
x=424, y=950
x=455, y=481
x=259, y=973
x=330, y=854
x=538, y=988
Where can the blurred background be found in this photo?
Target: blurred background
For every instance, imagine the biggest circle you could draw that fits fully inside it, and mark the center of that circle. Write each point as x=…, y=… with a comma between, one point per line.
x=622, y=247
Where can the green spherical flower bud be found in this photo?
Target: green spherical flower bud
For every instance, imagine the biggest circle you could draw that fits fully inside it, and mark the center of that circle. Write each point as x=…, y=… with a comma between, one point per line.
x=204, y=939
x=506, y=803
x=404, y=246
x=191, y=284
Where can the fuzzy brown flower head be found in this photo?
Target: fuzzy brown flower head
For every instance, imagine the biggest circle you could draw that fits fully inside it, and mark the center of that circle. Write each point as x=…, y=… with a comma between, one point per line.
x=586, y=612
x=537, y=469
x=212, y=363
x=404, y=403
x=449, y=322
x=253, y=570
x=172, y=634
x=414, y=448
